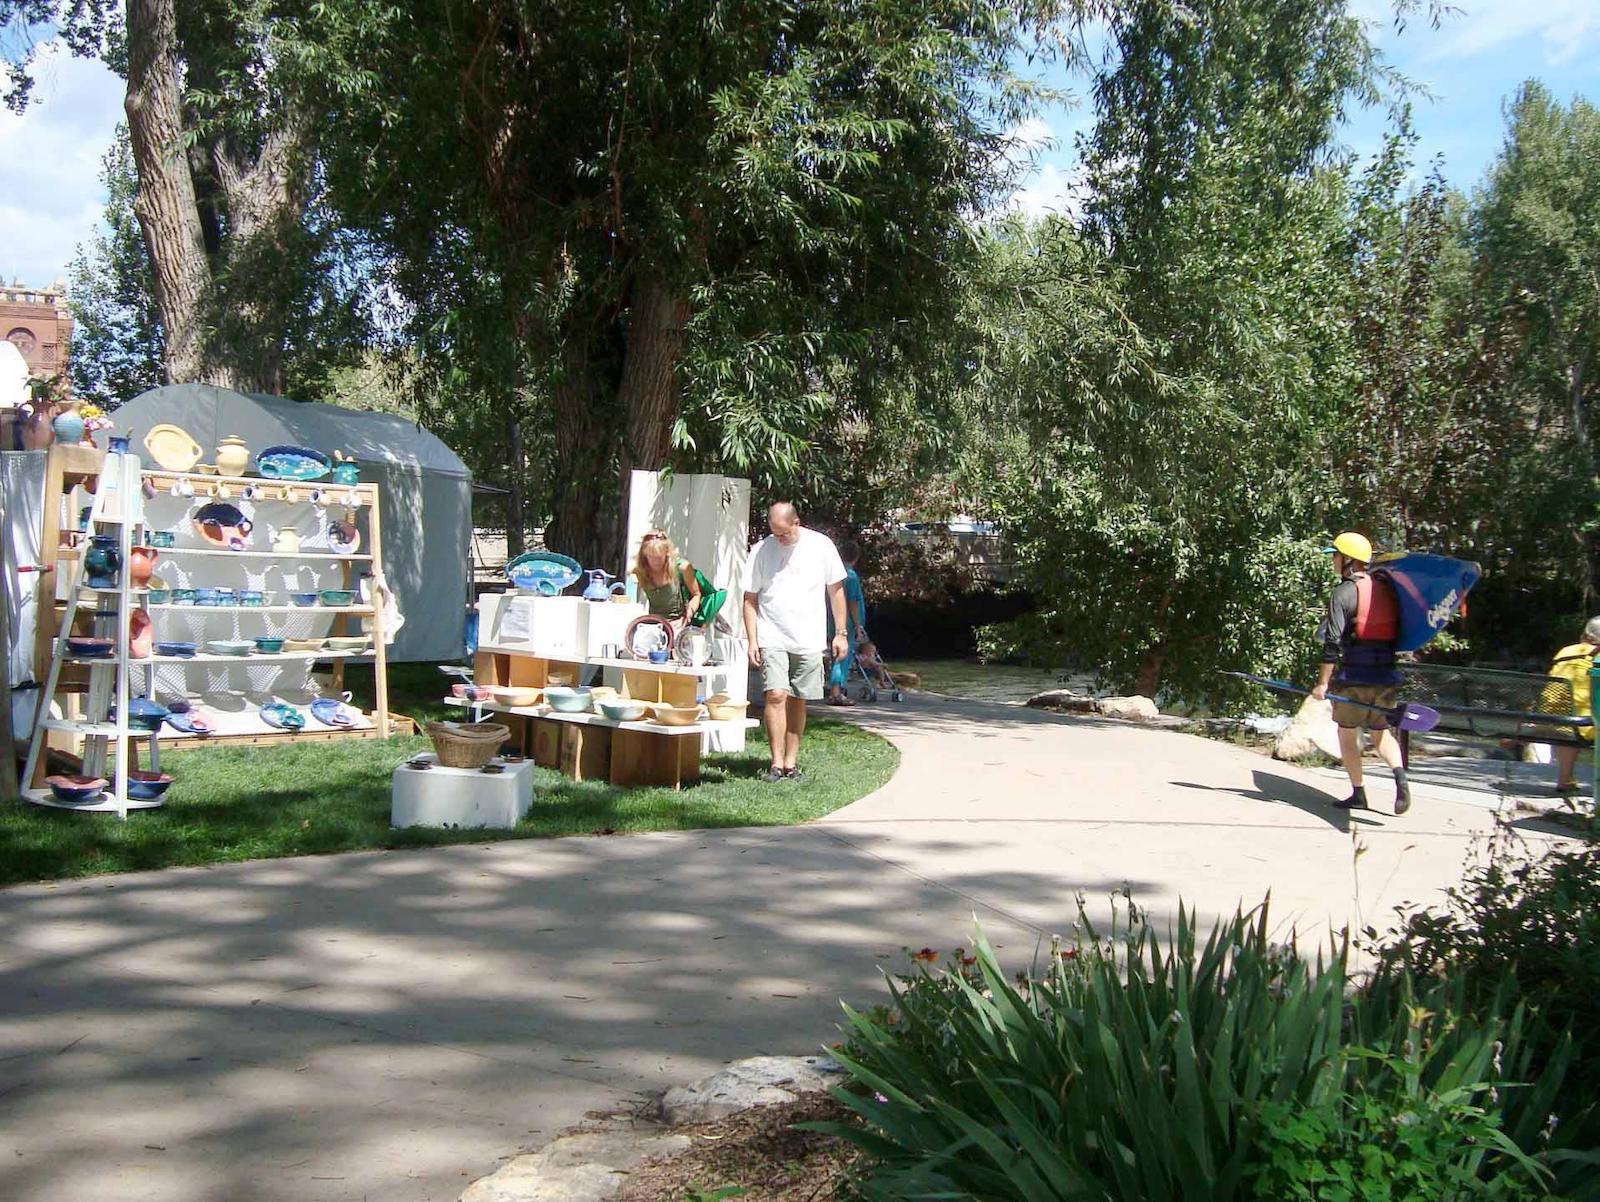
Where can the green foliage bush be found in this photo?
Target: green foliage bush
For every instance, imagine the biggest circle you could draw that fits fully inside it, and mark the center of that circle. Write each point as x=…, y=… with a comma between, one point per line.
x=1132, y=1067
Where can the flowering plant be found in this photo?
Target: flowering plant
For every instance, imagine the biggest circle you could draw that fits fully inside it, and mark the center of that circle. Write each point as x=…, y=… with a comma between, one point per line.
x=94, y=418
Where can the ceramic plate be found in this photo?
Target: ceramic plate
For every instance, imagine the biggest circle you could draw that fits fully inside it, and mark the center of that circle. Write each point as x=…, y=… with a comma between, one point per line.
x=529, y=570
x=172, y=448
x=292, y=463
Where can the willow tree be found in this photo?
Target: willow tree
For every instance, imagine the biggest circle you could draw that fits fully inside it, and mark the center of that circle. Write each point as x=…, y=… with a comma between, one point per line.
x=683, y=217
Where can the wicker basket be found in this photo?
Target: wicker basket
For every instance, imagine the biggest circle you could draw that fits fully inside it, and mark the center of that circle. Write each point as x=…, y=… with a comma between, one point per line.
x=466, y=744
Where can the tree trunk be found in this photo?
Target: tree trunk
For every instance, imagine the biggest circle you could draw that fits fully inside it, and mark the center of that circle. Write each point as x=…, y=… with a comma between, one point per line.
x=649, y=391
x=515, y=542
x=584, y=514
x=165, y=203
x=1148, y=679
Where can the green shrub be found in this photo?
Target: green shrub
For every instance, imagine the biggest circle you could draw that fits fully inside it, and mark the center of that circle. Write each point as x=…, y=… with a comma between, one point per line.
x=1128, y=1068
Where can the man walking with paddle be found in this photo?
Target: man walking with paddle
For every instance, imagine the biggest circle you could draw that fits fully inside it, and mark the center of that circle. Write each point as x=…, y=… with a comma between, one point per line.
x=1358, y=655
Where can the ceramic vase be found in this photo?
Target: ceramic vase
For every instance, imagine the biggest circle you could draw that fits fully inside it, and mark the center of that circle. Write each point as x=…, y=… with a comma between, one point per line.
x=142, y=561
x=102, y=561
x=37, y=431
x=233, y=456
x=68, y=425
x=141, y=635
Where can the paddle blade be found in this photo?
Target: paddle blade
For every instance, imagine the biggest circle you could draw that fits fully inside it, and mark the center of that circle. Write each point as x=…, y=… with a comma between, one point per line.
x=1412, y=716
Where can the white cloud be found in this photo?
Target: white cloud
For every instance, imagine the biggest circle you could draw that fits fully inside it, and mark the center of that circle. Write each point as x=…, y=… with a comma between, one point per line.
x=1049, y=190
x=50, y=192
x=1566, y=29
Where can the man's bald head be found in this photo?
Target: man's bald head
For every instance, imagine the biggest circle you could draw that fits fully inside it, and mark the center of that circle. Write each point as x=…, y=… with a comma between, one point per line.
x=783, y=519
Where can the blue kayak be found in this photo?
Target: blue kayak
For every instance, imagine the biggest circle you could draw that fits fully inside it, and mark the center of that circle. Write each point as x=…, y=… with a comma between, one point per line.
x=1430, y=589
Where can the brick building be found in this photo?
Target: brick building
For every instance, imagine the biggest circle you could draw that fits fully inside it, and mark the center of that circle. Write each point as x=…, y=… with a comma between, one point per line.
x=36, y=322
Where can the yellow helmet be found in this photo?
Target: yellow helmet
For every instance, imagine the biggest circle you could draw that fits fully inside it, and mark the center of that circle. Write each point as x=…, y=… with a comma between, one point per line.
x=1353, y=546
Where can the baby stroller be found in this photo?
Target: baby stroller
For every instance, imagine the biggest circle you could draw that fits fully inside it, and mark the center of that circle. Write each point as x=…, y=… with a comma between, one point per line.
x=870, y=679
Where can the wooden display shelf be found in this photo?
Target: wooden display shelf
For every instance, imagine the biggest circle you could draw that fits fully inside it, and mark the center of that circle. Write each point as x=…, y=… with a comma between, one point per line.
x=221, y=552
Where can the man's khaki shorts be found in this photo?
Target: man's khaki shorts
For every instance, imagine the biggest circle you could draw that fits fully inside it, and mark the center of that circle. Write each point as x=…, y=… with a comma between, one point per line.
x=1357, y=717
x=793, y=672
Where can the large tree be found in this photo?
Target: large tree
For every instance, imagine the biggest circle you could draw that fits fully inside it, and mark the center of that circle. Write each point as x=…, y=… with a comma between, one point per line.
x=690, y=223
x=224, y=105
x=1178, y=357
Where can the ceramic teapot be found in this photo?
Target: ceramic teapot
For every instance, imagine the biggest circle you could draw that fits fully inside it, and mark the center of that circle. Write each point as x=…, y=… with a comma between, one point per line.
x=233, y=456
x=287, y=542
x=600, y=587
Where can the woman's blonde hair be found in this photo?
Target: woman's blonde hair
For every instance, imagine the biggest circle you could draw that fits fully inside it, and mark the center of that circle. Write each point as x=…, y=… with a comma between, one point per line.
x=641, y=570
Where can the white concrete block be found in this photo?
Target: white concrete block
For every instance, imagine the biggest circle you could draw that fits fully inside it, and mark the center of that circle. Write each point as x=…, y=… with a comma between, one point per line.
x=461, y=797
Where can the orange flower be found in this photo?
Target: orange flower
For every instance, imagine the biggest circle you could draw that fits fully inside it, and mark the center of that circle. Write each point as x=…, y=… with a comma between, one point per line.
x=927, y=955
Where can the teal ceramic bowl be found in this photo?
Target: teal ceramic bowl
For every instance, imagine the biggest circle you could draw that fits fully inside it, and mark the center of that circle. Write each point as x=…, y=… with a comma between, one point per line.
x=338, y=596
x=163, y=538
x=183, y=596
x=269, y=646
x=159, y=596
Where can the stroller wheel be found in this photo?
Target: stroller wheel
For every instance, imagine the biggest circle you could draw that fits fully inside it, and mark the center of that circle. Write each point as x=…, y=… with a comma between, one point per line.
x=898, y=695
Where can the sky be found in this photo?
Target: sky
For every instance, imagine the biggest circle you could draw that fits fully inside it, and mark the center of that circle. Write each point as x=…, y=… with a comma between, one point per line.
x=51, y=197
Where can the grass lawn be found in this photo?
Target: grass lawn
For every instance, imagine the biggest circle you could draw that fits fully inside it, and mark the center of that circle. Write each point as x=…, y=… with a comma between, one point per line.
x=248, y=803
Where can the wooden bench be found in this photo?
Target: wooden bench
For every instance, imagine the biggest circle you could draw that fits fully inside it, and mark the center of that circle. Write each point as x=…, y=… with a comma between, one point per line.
x=1492, y=704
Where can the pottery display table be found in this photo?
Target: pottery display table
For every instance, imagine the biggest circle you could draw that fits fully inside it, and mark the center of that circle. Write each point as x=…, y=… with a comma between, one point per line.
x=466, y=798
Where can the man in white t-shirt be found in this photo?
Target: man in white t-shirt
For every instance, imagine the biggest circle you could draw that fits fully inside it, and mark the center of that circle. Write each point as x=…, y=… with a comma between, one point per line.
x=792, y=575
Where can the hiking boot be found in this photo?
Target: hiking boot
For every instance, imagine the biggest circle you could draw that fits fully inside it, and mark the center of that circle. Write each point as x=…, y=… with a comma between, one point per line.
x=795, y=775
x=1402, y=792
x=773, y=775
x=1356, y=801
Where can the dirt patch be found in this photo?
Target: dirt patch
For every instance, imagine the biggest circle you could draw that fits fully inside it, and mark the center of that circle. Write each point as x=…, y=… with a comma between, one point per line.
x=755, y=1151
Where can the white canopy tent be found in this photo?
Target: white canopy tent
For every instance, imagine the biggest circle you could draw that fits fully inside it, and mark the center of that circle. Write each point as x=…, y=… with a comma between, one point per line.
x=424, y=489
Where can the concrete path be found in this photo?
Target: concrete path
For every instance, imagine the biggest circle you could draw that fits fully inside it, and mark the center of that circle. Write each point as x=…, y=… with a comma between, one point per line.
x=392, y=1025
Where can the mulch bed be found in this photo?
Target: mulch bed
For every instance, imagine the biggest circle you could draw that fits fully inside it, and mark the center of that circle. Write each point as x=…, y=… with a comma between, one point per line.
x=755, y=1152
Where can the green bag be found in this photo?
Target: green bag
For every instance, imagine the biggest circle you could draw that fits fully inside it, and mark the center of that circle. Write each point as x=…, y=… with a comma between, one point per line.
x=712, y=599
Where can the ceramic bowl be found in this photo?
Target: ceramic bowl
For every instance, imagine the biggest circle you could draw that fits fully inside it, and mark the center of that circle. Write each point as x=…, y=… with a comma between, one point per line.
x=623, y=711
x=677, y=715
x=183, y=596
x=303, y=599
x=302, y=644
x=254, y=598
x=148, y=786
x=177, y=650
x=76, y=789
x=159, y=596
x=91, y=648
x=348, y=643
x=726, y=711
x=337, y=596
x=660, y=655
x=234, y=647
x=568, y=700
x=163, y=538
x=269, y=645
x=470, y=692
x=213, y=596
x=514, y=694
x=144, y=714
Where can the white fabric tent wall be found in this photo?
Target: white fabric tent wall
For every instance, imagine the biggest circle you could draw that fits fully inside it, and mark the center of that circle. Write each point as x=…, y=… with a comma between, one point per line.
x=22, y=508
x=425, y=490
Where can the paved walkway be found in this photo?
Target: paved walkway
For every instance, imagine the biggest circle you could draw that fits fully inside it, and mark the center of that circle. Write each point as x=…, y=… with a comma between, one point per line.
x=390, y=1026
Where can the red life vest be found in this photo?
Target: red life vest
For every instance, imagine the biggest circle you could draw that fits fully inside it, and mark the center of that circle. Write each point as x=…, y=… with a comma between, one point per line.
x=1377, y=611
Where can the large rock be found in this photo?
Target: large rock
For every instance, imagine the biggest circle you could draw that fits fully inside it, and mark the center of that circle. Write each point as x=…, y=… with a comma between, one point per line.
x=1129, y=709
x=1311, y=734
x=760, y=1081
x=586, y=1167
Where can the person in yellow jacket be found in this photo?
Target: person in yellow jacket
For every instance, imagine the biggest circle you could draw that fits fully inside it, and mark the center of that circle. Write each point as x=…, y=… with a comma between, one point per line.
x=1572, y=665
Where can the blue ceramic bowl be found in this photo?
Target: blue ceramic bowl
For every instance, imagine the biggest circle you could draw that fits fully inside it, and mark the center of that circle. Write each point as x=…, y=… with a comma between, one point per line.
x=179, y=650
x=303, y=599
x=75, y=789
x=144, y=714
x=252, y=597
x=90, y=648
x=183, y=596
x=159, y=596
x=660, y=655
x=163, y=538
x=569, y=701
x=148, y=786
